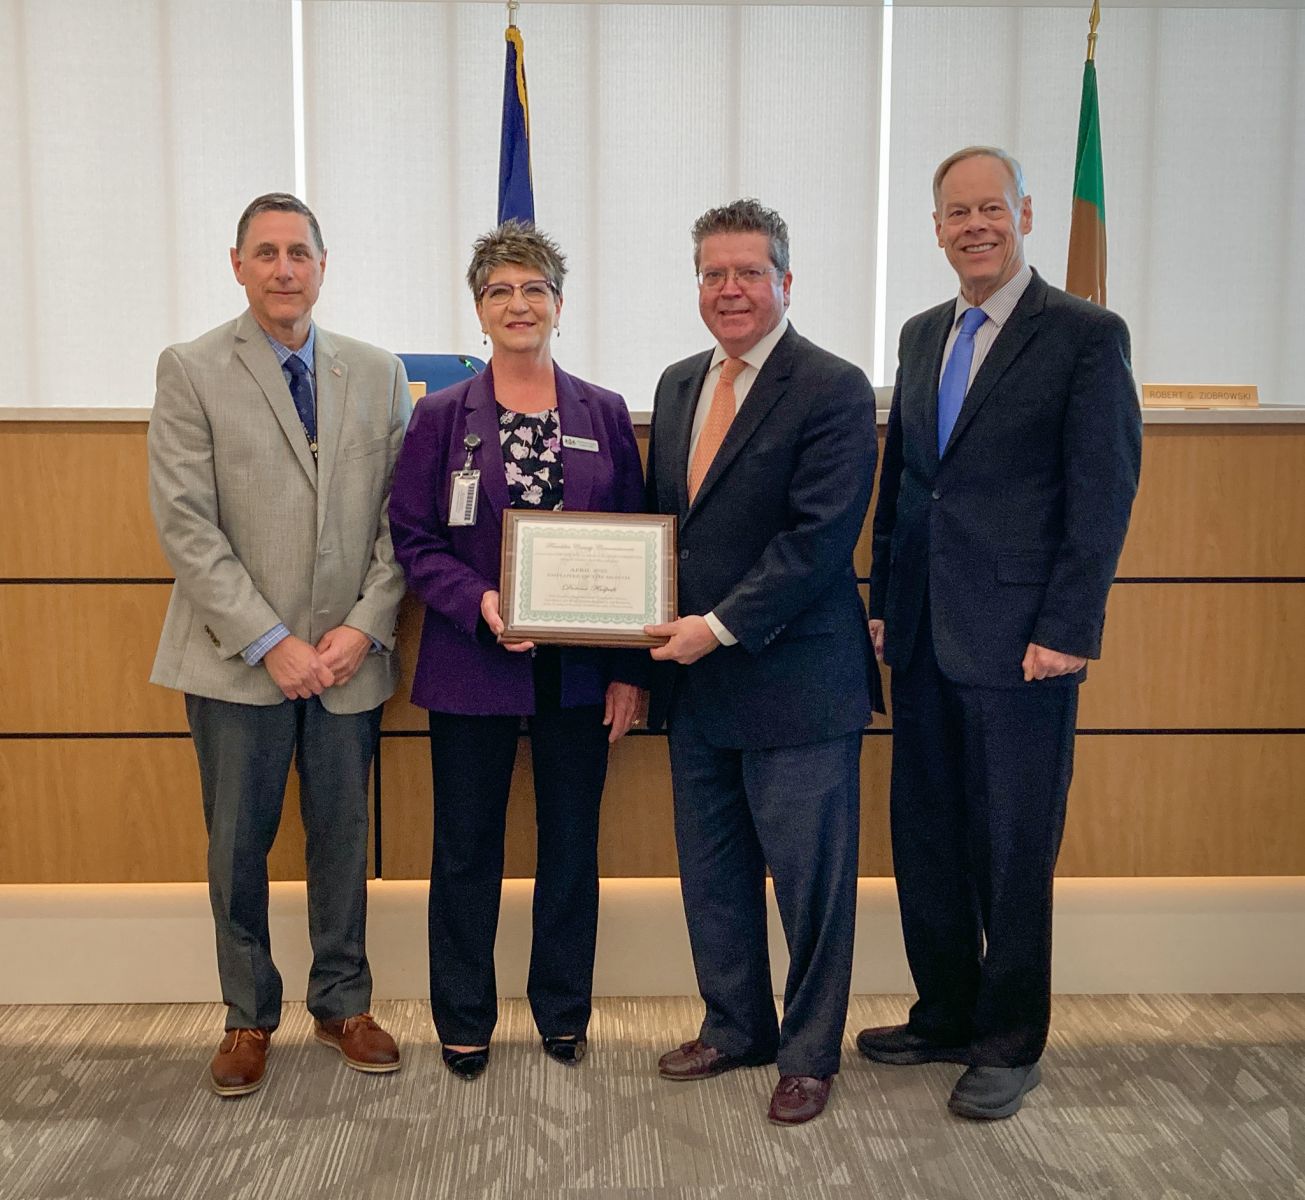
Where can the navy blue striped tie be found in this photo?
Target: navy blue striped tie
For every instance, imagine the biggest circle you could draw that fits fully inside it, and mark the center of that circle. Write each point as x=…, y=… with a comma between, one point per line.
x=956, y=376
x=301, y=392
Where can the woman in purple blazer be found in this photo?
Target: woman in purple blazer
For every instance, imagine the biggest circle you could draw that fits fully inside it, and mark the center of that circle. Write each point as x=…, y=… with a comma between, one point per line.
x=540, y=438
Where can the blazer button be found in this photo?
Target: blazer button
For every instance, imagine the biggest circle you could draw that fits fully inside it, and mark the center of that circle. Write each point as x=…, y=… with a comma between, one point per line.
x=683, y=555
x=937, y=495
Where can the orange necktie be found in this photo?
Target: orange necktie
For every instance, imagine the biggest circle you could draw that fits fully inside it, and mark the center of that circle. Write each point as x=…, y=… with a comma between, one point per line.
x=717, y=424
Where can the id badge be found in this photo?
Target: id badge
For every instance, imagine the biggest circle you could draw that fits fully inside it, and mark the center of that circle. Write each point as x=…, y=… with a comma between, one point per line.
x=464, y=497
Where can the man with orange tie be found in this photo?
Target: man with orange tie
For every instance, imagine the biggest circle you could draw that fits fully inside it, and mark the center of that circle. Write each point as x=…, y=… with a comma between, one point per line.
x=764, y=448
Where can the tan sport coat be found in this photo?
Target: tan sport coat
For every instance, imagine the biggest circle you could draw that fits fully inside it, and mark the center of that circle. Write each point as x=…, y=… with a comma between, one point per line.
x=256, y=532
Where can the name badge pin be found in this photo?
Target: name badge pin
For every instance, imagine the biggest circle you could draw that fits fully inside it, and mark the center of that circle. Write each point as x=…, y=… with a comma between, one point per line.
x=464, y=492
x=470, y=443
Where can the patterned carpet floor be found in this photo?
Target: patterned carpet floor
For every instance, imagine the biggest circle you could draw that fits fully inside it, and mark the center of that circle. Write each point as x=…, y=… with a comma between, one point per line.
x=1155, y=1097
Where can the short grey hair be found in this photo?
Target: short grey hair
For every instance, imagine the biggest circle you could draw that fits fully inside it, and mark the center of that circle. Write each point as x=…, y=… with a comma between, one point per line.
x=743, y=216
x=278, y=202
x=1007, y=160
x=515, y=244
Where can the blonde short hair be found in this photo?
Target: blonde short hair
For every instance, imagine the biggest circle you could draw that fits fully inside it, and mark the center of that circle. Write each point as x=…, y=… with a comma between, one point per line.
x=1008, y=161
x=515, y=244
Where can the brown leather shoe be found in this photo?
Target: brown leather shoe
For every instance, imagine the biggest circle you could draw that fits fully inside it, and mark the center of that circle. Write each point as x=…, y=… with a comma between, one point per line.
x=364, y=1044
x=697, y=1060
x=237, y=1067
x=798, y=1098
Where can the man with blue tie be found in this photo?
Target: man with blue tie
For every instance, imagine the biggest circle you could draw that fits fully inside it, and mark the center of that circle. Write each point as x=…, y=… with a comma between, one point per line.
x=271, y=447
x=1010, y=466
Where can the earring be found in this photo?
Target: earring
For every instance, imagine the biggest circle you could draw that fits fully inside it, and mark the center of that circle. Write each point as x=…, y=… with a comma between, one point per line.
x=557, y=331
x=484, y=337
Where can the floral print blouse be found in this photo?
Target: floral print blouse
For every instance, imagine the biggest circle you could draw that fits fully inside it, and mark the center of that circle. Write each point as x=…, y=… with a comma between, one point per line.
x=532, y=457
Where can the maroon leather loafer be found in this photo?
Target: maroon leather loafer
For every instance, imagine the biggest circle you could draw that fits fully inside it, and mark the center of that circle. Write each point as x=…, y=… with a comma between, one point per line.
x=697, y=1060
x=798, y=1098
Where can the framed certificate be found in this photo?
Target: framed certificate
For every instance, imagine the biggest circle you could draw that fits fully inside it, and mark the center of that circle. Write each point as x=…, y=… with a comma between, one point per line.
x=586, y=579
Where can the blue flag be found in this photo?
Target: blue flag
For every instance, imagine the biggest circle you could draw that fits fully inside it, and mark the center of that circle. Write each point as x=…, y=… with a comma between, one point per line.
x=516, y=194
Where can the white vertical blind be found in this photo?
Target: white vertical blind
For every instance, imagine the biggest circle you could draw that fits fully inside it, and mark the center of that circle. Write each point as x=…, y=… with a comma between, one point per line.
x=18, y=338
x=1209, y=270
x=812, y=81
x=1204, y=151
x=642, y=116
x=999, y=76
x=131, y=134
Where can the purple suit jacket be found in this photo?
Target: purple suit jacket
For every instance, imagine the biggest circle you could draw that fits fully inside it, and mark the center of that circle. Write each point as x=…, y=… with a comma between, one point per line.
x=461, y=668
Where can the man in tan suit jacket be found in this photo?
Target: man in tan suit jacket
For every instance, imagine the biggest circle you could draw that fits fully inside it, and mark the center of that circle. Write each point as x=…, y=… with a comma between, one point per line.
x=269, y=481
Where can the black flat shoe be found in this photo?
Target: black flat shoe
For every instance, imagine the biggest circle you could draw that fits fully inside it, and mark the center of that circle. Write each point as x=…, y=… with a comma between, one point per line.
x=897, y=1044
x=566, y=1050
x=466, y=1064
x=993, y=1093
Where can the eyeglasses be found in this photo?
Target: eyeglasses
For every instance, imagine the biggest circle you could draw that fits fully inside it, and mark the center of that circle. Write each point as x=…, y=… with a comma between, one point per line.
x=536, y=291
x=713, y=279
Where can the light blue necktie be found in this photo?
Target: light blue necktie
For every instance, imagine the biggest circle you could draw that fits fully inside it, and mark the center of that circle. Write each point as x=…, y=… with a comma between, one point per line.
x=956, y=375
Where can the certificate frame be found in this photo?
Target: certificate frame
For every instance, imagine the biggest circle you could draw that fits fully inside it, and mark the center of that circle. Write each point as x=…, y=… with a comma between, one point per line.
x=532, y=613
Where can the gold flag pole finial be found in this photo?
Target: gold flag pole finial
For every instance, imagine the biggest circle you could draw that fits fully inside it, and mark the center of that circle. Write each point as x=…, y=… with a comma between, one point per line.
x=512, y=6
x=1093, y=21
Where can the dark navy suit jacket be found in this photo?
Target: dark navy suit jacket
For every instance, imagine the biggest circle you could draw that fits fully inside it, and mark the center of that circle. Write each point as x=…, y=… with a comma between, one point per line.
x=460, y=667
x=1014, y=534
x=767, y=546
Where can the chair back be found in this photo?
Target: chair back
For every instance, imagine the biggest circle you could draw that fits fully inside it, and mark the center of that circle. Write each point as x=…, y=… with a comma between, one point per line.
x=431, y=372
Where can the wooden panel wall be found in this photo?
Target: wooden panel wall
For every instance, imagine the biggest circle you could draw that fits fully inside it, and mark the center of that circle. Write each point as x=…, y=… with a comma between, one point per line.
x=96, y=643
x=1189, y=760
x=115, y=810
x=74, y=502
x=1219, y=500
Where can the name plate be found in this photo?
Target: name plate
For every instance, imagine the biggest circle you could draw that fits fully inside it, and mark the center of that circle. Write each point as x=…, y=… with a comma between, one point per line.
x=1199, y=395
x=586, y=579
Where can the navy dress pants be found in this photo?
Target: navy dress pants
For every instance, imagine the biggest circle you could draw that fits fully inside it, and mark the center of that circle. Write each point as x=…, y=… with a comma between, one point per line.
x=979, y=784
x=794, y=810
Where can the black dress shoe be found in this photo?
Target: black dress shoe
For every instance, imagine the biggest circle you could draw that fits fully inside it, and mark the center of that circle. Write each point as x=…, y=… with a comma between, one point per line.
x=896, y=1044
x=466, y=1064
x=991, y=1093
x=567, y=1050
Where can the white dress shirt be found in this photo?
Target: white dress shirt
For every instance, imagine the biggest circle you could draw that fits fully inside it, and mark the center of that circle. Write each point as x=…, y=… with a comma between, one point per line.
x=755, y=358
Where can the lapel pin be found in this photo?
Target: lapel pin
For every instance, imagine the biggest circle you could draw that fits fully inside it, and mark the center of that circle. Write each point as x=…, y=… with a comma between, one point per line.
x=335, y=371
